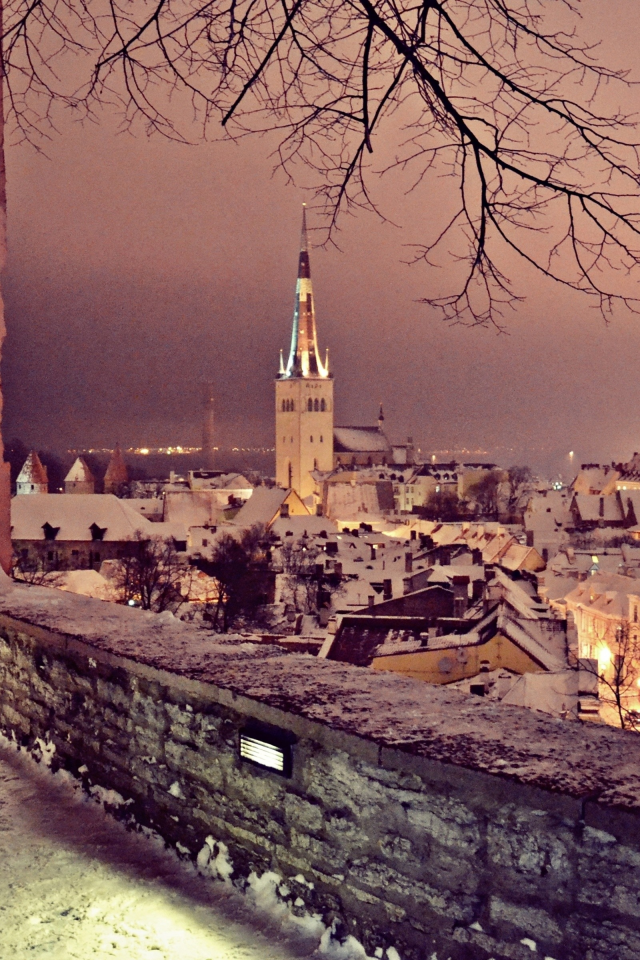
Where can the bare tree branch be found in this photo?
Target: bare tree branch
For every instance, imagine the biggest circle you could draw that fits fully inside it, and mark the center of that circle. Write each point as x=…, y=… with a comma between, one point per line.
x=500, y=98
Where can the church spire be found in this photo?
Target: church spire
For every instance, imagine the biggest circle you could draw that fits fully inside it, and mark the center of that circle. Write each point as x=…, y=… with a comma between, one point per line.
x=304, y=356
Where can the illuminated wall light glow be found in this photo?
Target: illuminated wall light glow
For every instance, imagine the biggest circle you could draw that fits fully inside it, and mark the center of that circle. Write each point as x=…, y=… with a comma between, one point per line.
x=263, y=751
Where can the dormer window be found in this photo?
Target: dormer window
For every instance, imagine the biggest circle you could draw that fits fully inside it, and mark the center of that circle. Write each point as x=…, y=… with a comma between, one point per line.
x=97, y=533
x=50, y=533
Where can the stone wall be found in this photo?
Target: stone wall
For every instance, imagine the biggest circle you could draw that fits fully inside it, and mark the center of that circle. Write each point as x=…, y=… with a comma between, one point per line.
x=437, y=823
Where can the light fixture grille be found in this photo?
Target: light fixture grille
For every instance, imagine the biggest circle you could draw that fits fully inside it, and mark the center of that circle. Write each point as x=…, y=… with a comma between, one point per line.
x=265, y=753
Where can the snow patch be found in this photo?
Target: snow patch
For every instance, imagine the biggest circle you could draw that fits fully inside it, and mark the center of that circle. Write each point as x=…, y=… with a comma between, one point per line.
x=176, y=791
x=300, y=879
x=43, y=751
x=214, y=860
x=533, y=946
x=108, y=798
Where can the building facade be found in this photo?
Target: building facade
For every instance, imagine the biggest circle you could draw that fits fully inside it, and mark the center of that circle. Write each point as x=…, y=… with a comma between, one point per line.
x=304, y=394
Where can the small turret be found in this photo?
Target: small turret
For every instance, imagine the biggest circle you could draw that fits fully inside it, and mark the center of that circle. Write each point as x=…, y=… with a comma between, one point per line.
x=33, y=476
x=117, y=474
x=80, y=479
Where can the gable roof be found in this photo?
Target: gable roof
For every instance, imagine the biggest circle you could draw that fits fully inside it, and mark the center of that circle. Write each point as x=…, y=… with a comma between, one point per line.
x=360, y=440
x=264, y=504
x=591, y=508
x=74, y=514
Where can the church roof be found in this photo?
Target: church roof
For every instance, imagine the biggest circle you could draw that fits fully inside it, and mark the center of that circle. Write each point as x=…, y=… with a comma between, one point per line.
x=80, y=472
x=117, y=470
x=360, y=440
x=33, y=471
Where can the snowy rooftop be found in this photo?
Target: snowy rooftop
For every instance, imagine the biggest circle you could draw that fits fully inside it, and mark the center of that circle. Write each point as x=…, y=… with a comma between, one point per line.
x=392, y=711
x=74, y=514
x=360, y=440
x=262, y=506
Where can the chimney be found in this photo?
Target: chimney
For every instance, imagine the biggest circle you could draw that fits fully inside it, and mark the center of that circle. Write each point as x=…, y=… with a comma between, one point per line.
x=529, y=538
x=387, y=591
x=476, y=557
x=413, y=534
x=601, y=506
x=370, y=600
x=408, y=562
x=372, y=547
x=460, y=595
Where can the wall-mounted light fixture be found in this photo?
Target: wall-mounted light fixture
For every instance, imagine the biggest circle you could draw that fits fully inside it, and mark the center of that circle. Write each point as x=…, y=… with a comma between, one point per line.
x=269, y=749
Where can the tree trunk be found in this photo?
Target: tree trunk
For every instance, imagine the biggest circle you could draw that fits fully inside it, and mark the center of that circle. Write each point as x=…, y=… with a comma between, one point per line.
x=5, y=477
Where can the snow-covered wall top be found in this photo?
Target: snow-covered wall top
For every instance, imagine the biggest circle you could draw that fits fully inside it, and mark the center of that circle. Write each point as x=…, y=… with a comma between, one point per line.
x=579, y=761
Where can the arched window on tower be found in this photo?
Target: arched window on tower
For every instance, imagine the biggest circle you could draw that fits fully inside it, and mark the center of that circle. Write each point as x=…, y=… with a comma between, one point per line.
x=323, y=405
x=316, y=404
x=309, y=404
x=284, y=405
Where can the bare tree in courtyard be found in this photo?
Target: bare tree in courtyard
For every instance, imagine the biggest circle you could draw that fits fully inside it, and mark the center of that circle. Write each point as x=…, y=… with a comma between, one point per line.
x=616, y=663
x=151, y=574
x=517, y=487
x=485, y=492
x=239, y=566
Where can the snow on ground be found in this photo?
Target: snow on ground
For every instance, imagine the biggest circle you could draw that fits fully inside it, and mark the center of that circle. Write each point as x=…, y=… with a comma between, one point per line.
x=75, y=883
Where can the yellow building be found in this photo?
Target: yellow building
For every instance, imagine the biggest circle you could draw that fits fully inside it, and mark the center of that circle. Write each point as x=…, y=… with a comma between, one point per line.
x=448, y=659
x=304, y=395
x=606, y=612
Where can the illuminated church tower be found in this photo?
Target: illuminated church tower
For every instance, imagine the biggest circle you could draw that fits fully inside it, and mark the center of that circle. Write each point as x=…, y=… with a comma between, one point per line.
x=304, y=394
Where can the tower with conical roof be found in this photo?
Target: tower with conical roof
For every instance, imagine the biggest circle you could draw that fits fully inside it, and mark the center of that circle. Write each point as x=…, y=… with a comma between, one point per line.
x=304, y=393
x=117, y=474
x=33, y=476
x=80, y=479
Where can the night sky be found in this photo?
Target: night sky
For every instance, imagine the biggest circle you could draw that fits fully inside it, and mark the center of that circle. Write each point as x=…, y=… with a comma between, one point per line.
x=139, y=268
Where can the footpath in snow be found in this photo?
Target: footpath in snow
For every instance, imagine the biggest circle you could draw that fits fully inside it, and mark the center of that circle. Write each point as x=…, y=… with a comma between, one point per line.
x=75, y=883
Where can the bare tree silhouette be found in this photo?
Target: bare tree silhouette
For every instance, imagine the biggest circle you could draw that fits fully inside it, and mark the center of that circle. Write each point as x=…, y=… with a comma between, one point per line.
x=500, y=95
